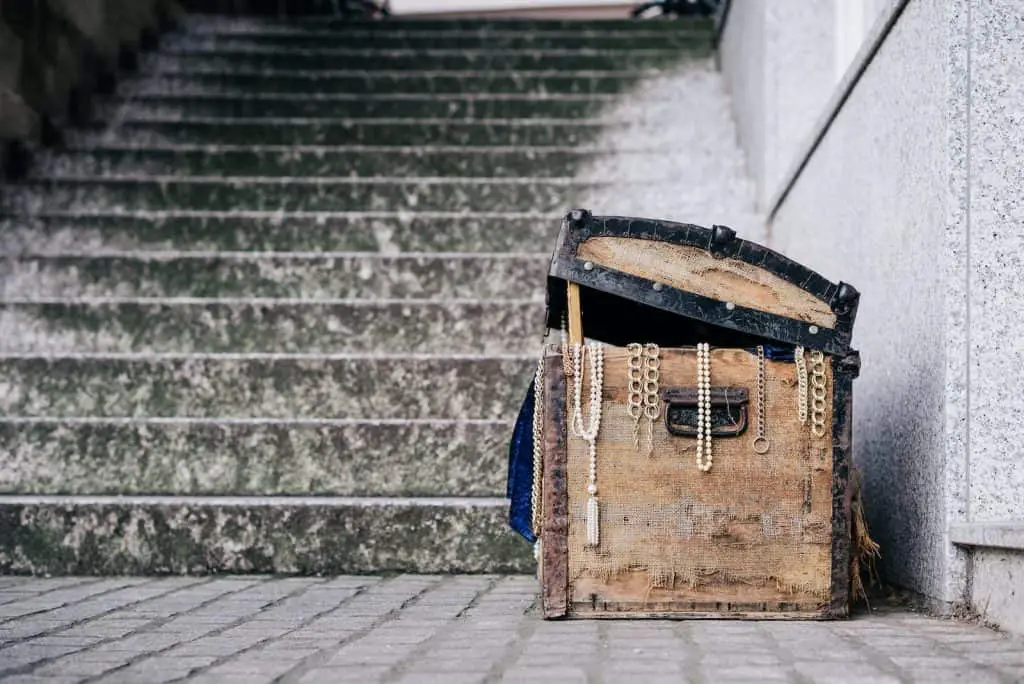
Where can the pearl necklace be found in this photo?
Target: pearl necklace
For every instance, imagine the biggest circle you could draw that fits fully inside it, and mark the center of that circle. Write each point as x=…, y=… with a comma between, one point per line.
x=704, y=457
x=588, y=432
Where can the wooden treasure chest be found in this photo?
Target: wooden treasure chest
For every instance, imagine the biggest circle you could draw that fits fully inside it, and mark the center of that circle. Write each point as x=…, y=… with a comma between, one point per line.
x=692, y=457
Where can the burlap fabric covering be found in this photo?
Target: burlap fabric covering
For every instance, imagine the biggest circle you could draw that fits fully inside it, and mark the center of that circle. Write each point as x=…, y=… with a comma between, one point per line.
x=755, y=528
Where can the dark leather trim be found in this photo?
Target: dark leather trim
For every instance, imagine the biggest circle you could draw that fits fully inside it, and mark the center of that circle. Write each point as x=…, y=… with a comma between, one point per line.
x=580, y=225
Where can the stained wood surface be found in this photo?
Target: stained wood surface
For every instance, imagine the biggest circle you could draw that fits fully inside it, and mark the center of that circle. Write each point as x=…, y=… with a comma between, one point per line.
x=753, y=536
x=554, y=565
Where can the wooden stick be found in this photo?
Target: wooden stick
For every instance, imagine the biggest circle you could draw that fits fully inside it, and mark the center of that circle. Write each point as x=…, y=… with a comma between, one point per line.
x=575, y=314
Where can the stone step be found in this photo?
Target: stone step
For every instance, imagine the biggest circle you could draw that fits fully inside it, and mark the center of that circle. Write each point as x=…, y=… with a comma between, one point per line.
x=95, y=233
x=237, y=82
x=262, y=458
x=189, y=60
x=309, y=277
x=432, y=39
x=332, y=161
x=392, y=106
x=331, y=131
x=295, y=194
x=345, y=26
x=111, y=535
x=271, y=326
x=264, y=386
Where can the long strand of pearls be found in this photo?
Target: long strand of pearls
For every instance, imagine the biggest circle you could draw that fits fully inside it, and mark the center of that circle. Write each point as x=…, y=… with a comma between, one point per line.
x=588, y=432
x=704, y=456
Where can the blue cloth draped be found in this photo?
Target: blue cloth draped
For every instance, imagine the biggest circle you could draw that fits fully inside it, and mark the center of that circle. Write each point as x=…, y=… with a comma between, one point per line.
x=520, y=470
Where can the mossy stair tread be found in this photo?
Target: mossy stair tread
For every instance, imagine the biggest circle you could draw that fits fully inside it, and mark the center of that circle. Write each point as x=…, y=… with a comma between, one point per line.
x=294, y=194
x=108, y=535
x=255, y=458
x=271, y=326
x=264, y=385
x=101, y=231
x=412, y=277
x=104, y=159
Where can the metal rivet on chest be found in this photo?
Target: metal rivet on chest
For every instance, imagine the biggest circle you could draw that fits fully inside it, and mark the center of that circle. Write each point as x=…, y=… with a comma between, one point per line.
x=658, y=287
x=588, y=265
x=730, y=306
x=813, y=330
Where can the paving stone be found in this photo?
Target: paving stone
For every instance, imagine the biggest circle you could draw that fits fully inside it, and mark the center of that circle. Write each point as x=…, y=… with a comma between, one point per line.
x=444, y=678
x=409, y=633
x=547, y=674
x=844, y=673
x=354, y=673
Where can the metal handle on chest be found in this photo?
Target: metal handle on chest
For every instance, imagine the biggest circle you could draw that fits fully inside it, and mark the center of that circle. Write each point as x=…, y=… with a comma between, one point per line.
x=728, y=411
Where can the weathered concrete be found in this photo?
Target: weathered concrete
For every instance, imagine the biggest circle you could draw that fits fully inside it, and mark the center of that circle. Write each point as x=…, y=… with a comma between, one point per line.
x=254, y=458
x=286, y=535
x=190, y=231
x=54, y=54
x=440, y=59
x=150, y=193
x=272, y=326
x=394, y=106
x=187, y=317
x=264, y=386
x=309, y=277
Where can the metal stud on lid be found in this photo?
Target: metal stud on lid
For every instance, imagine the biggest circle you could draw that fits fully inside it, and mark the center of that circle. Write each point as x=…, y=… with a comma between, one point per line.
x=813, y=330
x=730, y=306
x=588, y=265
x=658, y=287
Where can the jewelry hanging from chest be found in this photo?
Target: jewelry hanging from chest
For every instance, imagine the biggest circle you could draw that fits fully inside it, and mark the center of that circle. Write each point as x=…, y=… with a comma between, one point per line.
x=761, y=444
x=801, y=383
x=705, y=459
x=587, y=430
x=634, y=379
x=652, y=402
x=818, y=394
x=537, y=510
x=643, y=371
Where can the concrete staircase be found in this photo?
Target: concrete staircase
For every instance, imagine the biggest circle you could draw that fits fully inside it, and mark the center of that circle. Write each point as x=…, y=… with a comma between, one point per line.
x=276, y=309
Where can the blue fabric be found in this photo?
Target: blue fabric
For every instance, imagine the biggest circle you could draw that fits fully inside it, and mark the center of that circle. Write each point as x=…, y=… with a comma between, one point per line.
x=773, y=353
x=520, y=470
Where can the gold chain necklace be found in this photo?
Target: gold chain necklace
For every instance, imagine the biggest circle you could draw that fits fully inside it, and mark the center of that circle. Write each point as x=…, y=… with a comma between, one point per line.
x=537, y=508
x=652, y=404
x=801, y=381
x=818, y=394
x=761, y=444
x=635, y=399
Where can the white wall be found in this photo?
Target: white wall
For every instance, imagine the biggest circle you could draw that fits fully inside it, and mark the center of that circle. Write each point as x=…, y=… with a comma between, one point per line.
x=870, y=209
x=778, y=59
x=913, y=193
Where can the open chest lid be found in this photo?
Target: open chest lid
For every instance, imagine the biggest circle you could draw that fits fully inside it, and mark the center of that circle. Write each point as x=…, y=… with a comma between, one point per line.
x=677, y=284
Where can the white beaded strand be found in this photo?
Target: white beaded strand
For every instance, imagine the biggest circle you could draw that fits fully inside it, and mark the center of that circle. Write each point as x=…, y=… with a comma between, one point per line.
x=589, y=432
x=705, y=459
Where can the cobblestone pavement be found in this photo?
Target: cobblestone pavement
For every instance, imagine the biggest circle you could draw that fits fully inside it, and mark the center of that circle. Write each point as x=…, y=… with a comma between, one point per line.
x=454, y=630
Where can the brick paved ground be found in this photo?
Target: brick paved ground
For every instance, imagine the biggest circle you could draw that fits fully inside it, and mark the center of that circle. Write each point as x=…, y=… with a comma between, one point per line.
x=443, y=629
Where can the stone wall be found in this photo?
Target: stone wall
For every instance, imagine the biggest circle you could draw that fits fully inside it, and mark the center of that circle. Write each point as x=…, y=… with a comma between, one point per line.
x=907, y=183
x=56, y=54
